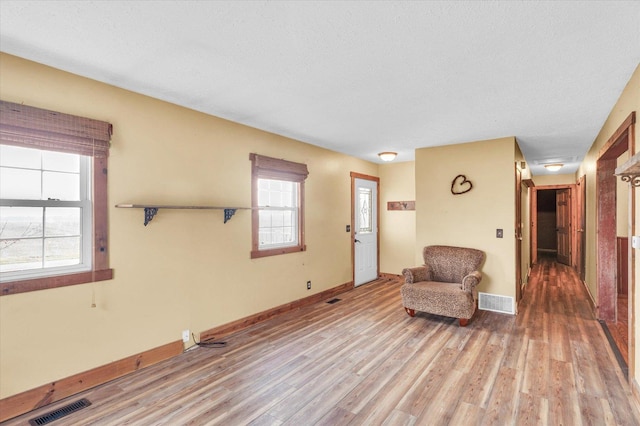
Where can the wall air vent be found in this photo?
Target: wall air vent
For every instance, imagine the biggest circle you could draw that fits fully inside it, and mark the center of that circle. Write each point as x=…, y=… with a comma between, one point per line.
x=60, y=412
x=496, y=303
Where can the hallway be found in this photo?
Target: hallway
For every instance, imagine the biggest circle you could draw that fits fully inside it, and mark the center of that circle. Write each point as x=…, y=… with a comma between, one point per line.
x=578, y=365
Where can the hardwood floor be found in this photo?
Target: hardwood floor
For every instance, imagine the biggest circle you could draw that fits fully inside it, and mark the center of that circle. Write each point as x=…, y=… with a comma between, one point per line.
x=620, y=329
x=363, y=360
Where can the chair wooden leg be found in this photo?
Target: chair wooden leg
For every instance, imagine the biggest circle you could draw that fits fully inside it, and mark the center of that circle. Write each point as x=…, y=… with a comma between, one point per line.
x=410, y=312
x=465, y=321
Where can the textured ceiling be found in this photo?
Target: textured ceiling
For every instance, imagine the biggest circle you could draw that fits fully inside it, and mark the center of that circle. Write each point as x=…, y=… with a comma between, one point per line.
x=356, y=77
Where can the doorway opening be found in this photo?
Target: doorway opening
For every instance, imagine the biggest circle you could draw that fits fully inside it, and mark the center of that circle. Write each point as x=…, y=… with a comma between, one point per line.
x=547, y=216
x=552, y=224
x=615, y=223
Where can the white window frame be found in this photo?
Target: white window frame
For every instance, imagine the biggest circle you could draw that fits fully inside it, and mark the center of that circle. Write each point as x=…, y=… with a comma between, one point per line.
x=295, y=222
x=86, y=227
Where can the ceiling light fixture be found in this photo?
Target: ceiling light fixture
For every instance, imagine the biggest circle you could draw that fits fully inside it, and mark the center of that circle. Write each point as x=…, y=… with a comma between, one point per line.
x=387, y=155
x=553, y=167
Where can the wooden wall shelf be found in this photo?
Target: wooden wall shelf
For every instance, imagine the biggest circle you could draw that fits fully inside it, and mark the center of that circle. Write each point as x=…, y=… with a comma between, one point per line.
x=630, y=171
x=150, y=210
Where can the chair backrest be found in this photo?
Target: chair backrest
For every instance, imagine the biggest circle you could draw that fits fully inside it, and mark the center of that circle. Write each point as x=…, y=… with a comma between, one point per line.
x=451, y=264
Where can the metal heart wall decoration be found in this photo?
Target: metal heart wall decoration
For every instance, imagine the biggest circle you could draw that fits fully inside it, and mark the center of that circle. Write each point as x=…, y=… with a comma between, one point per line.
x=460, y=185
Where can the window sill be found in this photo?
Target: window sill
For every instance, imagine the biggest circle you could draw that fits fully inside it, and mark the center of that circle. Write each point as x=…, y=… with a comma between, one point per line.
x=255, y=254
x=23, y=286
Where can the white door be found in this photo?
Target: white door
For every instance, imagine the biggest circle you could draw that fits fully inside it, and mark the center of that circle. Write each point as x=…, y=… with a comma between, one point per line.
x=365, y=211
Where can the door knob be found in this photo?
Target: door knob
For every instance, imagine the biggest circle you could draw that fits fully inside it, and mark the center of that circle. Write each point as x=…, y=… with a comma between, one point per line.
x=356, y=240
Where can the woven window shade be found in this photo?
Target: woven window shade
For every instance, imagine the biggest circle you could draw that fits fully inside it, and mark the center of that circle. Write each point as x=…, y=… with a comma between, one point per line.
x=275, y=168
x=32, y=127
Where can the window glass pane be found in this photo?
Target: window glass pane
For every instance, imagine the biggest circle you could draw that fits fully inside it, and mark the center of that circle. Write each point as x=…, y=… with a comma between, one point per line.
x=277, y=193
x=275, y=198
x=62, y=221
x=20, y=222
x=278, y=227
x=61, y=251
x=263, y=197
x=277, y=218
x=364, y=210
x=289, y=218
x=61, y=186
x=20, y=255
x=265, y=237
x=20, y=157
x=60, y=161
x=20, y=184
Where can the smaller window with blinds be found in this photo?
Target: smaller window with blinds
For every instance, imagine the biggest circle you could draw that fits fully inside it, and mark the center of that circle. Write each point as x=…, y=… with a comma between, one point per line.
x=278, y=206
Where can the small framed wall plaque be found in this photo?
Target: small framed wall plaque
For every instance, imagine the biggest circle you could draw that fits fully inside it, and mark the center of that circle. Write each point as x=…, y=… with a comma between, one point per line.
x=401, y=205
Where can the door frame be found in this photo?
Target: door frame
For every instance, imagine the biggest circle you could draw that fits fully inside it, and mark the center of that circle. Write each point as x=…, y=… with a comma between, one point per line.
x=565, y=228
x=621, y=140
x=354, y=176
x=581, y=225
x=533, y=214
x=606, y=232
x=518, y=227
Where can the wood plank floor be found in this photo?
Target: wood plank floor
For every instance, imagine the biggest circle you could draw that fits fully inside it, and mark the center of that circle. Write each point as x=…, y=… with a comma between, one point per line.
x=620, y=329
x=364, y=361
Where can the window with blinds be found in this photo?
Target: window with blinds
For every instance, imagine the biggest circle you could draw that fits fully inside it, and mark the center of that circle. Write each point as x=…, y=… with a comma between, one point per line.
x=278, y=206
x=53, y=206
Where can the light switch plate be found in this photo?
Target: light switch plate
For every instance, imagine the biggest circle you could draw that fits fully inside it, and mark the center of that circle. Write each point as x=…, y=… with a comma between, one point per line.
x=635, y=242
x=498, y=233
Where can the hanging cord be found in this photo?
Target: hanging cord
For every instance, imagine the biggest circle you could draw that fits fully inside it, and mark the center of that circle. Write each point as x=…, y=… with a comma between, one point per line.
x=209, y=343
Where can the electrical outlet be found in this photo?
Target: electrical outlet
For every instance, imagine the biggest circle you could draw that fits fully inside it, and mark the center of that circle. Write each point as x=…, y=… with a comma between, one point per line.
x=308, y=285
x=185, y=336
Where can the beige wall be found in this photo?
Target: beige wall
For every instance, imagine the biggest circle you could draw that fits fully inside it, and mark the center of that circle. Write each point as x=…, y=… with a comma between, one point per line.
x=629, y=101
x=186, y=270
x=471, y=219
x=397, y=228
x=554, y=179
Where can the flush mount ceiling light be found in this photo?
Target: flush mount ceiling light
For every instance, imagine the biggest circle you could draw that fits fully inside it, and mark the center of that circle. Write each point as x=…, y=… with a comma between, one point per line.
x=553, y=167
x=387, y=155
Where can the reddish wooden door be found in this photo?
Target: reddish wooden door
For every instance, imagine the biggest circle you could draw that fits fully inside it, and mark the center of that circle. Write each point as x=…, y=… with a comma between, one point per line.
x=563, y=225
x=518, y=234
x=623, y=265
x=581, y=224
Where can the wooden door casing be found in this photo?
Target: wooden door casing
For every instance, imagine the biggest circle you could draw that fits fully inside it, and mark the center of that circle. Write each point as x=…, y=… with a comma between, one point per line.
x=563, y=225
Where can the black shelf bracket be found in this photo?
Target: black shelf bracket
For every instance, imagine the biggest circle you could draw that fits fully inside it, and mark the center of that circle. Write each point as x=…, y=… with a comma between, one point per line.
x=149, y=213
x=228, y=214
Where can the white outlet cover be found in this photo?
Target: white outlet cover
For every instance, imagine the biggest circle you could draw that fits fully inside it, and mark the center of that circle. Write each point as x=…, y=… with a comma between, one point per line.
x=635, y=242
x=185, y=336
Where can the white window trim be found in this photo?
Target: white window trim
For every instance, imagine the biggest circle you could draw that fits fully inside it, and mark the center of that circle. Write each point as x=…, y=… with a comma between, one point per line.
x=296, y=222
x=86, y=228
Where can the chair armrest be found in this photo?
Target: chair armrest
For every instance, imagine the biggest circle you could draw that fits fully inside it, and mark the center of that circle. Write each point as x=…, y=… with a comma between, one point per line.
x=417, y=274
x=471, y=280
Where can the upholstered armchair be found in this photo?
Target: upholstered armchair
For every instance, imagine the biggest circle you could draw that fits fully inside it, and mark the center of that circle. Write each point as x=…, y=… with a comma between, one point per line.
x=446, y=284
